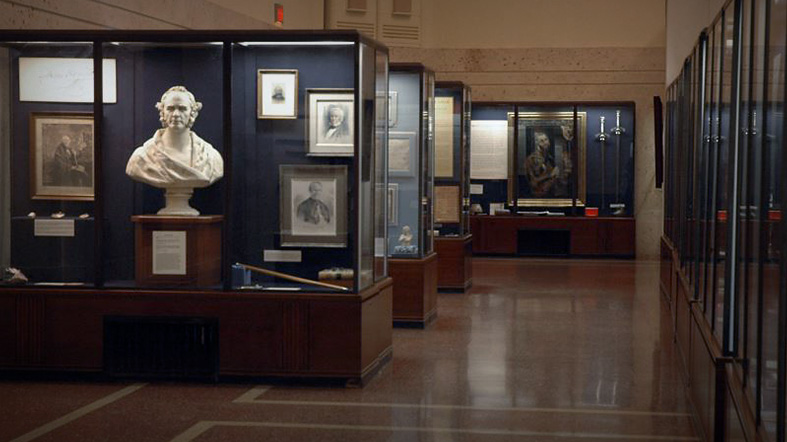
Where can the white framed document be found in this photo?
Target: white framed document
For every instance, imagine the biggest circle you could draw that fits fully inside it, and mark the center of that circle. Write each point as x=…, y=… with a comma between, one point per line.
x=64, y=80
x=489, y=150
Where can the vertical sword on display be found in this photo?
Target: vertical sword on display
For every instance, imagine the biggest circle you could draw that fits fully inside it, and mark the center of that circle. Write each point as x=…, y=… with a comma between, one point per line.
x=601, y=137
x=618, y=131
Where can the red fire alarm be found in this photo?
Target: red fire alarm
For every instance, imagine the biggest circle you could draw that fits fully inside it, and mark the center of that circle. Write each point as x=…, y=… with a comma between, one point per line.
x=278, y=14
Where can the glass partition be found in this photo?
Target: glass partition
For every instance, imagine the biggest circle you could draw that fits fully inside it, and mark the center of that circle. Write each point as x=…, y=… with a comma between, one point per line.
x=451, y=173
x=163, y=163
x=48, y=157
x=410, y=161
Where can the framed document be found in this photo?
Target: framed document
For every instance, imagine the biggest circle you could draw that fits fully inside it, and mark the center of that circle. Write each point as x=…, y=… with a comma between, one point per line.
x=401, y=154
x=277, y=94
x=444, y=137
x=64, y=79
x=61, y=156
x=313, y=204
x=446, y=204
x=489, y=149
x=329, y=119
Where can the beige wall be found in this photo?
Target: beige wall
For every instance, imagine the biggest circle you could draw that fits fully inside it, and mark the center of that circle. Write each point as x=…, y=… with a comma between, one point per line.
x=122, y=14
x=685, y=20
x=298, y=14
x=543, y=23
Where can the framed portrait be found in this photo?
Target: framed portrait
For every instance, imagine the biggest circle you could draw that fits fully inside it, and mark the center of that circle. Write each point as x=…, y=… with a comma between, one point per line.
x=544, y=170
x=393, y=204
x=277, y=93
x=330, y=116
x=61, y=156
x=401, y=154
x=313, y=206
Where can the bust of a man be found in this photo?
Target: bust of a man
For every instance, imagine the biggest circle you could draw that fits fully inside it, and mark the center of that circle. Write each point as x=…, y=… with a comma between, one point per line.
x=175, y=158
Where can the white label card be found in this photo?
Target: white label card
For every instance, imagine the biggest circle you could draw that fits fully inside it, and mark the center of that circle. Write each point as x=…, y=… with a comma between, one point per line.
x=282, y=256
x=169, y=252
x=476, y=189
x=54, y=227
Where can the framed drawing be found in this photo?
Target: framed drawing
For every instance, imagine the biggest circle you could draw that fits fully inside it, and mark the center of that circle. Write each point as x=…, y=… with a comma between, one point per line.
x=277, y=93
x=446, y=204
x=313, y=206
x=330, y=115
x=393, y=204
x=401, y=154
x=61, y=156
x=545, y=170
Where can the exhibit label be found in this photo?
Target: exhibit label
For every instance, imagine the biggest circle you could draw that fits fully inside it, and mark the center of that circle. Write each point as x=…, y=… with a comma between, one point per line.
x=54, y=227
x=169, y=252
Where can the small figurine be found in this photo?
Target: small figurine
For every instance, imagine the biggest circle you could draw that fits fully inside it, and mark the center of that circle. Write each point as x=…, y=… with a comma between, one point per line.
x=84, y=216
x=406, y=237
x=31, y=215
x=57, y=215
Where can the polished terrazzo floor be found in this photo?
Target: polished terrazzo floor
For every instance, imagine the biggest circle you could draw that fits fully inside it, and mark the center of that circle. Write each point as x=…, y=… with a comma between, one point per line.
x=537, y=350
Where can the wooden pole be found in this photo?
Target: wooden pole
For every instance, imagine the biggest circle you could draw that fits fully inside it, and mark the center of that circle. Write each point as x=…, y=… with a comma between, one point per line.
x=292, y=278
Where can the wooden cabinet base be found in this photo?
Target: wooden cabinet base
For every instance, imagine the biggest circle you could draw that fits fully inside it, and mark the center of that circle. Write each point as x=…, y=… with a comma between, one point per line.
x=414, y=290
x=553, y=236
x=201, y=251
x=454, y=262
x=305, y=335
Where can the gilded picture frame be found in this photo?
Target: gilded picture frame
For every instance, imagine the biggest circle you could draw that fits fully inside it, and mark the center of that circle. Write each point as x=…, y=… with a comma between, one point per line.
x=544, y=170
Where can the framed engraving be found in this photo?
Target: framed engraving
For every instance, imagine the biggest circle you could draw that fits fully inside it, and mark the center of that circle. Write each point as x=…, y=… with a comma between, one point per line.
x=446, y=204
x=401, y=154
x=277, y=93
x=544, y=171
x=393, y=204
x=61, y=156
x=330, y=115
x=313, y=206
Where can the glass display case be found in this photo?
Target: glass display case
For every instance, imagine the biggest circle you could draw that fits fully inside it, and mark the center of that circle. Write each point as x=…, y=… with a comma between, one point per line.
x=410, y=161
x=413, y=263
x=198, y=162
x=453, y=244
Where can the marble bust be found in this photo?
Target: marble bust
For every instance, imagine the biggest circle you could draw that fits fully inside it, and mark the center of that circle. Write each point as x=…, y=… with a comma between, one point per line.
x=175, y=158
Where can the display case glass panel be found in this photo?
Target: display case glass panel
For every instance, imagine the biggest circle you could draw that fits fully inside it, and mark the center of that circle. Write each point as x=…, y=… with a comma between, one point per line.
x=451, y=168
x=610, y=162
x=163, y=163
x=410, y=161
x=307, y=190
x=773, y=245
x=48, y=181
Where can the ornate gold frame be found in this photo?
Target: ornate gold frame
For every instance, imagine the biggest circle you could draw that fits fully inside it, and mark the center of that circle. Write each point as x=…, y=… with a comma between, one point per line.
x=581, y=144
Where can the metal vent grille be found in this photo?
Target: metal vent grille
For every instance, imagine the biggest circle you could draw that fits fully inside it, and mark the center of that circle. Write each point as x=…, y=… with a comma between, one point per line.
x=161, y=346
x=401, y=32
x=363, y=28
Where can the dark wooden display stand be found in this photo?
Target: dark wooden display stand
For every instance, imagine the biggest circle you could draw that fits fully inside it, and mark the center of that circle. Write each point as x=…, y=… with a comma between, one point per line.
x=454, y=262
x=203, y=249
x=572, y=236
x=415, y=290
x=312, y=335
